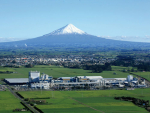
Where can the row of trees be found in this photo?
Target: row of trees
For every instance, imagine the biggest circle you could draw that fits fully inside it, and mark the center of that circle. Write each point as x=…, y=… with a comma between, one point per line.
x=130, y=61
x=29, y=65
x=144, y=67
x=98, y=68
x=124, y=61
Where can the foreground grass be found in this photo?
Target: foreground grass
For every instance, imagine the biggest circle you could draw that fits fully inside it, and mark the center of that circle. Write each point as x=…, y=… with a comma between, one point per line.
x=102, y=100
x=8, y=102
x=62, y=101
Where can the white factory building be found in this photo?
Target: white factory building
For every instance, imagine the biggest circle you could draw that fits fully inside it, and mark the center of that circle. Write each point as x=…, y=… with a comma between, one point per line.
x=44, y=81
x=34, y=76
x=97, y=81
x=39, y=81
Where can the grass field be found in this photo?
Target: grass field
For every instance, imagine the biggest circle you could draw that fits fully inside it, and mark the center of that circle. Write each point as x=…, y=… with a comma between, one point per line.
x=57, y=71
x=143, y=74
x=2, y=69
x=120, y=68
x=81, y=101
x=75, y=101
x=8, y=102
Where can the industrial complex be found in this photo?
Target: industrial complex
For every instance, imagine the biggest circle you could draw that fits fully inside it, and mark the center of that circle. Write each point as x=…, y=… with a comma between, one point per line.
x=44, y=81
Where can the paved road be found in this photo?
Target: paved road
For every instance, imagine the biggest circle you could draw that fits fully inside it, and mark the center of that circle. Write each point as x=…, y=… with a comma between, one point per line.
x=28, y=105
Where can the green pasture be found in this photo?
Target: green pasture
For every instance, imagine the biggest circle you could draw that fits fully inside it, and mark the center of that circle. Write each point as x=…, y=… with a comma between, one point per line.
x=4, y=69
x=102, y=100
x=57, y=71
x=62, y=101
x=143, y=74
x=121, y=68
x=8, y=102
x=109, y=105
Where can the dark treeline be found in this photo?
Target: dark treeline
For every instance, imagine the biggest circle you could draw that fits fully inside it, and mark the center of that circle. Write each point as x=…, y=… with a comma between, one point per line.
x=124, y=61
x=139, y=102
x=7, y=72
x=29, y=65
x=144, y=67
x=98, y=68
x=130, y=61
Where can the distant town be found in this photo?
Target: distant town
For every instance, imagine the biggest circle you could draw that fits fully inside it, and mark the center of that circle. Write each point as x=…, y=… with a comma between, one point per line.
x=56, y=60
x=76, y=61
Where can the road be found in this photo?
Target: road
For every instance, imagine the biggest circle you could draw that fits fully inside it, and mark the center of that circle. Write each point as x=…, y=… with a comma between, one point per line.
x=26, y=104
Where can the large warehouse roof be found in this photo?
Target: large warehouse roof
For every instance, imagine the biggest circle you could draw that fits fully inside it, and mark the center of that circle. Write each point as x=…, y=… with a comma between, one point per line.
x=16, y=80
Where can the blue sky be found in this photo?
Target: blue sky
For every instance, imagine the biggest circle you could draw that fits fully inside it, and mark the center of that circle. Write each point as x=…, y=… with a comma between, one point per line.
x=33, y=18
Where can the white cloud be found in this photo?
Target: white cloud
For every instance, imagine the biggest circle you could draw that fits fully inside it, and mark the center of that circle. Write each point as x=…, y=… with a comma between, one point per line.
x=9, y=39
x=147, y=36
x=131, y=38
x=25, y=45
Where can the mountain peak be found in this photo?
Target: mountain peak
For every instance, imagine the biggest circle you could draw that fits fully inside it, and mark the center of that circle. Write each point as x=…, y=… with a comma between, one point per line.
x=69, y=25
x=68, y=29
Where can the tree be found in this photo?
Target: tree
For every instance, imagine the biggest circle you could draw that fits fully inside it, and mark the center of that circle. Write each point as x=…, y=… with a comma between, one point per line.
x=13, y=61
x=29, y=66
x=132, y=70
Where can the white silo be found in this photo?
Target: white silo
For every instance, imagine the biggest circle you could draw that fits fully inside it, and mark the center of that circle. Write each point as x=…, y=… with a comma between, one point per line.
x=42, y=77
x=129, y=78
x=46, y=77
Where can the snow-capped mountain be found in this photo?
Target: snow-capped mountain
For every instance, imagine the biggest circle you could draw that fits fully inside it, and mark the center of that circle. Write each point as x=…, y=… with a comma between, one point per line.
x=68, y=29
x=70, y=36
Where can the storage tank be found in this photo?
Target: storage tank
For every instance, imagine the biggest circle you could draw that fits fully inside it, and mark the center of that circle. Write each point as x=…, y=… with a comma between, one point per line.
x=46, y=77
x=129, y=78
x=42, y=77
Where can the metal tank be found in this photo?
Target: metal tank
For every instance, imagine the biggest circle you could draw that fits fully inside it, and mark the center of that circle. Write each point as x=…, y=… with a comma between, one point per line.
x=129, y=78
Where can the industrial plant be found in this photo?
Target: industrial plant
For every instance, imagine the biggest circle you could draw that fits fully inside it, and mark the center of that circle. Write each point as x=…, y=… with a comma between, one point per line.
x=44, y=81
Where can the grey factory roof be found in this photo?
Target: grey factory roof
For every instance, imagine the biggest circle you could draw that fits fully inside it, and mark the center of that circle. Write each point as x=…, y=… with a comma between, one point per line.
x=78, y=83
x=17, y=80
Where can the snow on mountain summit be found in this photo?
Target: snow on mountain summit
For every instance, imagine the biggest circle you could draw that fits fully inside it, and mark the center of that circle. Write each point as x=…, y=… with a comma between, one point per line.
x=68, y=29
